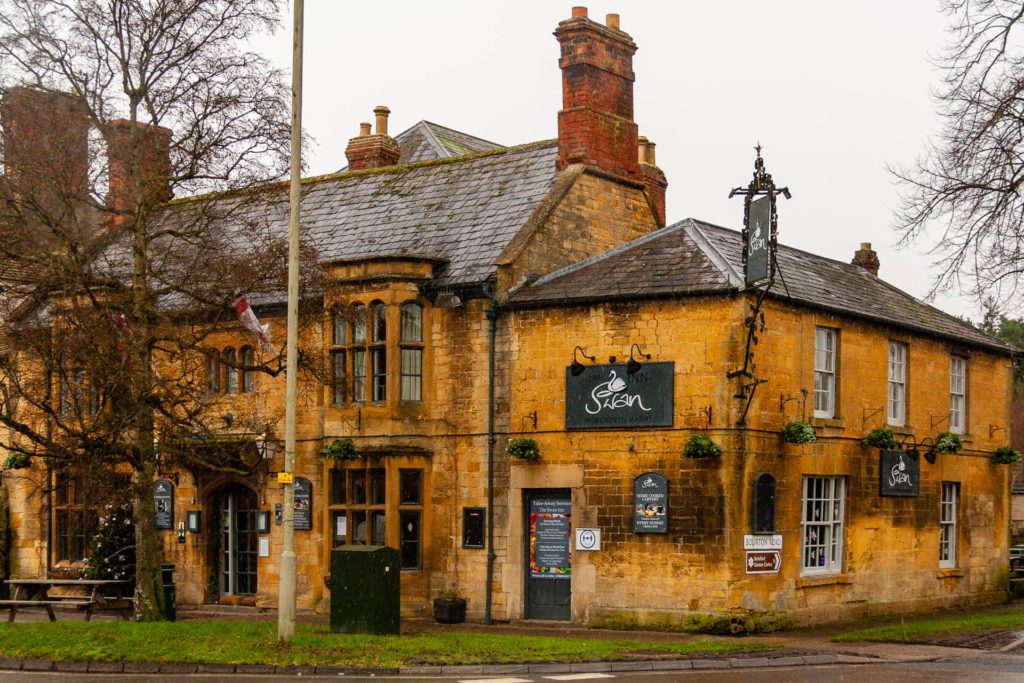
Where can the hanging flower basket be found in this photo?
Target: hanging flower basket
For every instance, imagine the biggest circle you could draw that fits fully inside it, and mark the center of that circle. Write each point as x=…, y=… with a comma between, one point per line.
x=17, y=460
x=341, y=449
x=1006, y=456
x=948, y=443
x=881, y=438
x=798, y=431
x=523, y=449
x=701, y=446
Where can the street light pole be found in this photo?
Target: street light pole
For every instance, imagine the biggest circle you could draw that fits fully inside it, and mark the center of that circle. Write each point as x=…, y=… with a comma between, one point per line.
x=287, y=576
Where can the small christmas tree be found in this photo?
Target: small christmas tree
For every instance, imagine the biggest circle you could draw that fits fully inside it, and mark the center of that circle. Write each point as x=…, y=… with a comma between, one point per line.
x=112, y=553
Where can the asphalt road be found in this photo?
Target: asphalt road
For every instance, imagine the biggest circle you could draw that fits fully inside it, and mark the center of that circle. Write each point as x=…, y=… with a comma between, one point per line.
x=989, y=668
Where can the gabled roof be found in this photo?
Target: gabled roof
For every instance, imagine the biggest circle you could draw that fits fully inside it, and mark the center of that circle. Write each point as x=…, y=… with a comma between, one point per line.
x=693, y=258
x=426, y=141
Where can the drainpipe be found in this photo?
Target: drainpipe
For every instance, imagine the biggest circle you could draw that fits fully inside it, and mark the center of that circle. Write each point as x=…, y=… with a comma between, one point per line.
x=492, y=319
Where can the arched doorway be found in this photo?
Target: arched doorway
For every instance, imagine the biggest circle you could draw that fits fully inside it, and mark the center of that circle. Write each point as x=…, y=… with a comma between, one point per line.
x=234, y=541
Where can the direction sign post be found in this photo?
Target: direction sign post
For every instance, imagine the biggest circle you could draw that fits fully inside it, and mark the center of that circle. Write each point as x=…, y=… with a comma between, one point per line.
x=763, y=561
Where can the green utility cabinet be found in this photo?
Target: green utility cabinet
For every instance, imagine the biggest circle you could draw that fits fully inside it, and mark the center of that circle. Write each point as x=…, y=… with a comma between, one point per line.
x=365, y=589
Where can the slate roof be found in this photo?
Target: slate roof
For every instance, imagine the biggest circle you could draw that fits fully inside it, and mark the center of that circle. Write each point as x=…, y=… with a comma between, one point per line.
x=693, y=258
x=462, y=211
x=428, y=141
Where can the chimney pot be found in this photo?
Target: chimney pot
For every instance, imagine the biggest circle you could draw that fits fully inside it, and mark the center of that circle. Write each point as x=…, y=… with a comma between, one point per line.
x=612, y=21
x=650, y=153
x=866, y=258
x=364, y=129
x=865, y=246
x=641, y=149
x=579, y=11
x=381, y=112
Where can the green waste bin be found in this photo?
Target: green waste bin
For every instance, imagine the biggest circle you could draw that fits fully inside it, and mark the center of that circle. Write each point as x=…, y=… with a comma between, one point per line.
x=167, y=569
x=365, y=590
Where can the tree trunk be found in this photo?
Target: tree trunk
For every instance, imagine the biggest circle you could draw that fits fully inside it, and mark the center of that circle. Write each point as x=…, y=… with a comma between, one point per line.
x=149, y=594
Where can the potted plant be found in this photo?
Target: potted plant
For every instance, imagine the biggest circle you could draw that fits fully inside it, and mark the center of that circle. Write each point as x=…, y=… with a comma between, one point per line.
x=340, y=449
x=1006, y=455
x=523, y=449
x=948, y=443
x=17, y=460
x=701, y=446
x=449, y=607
x=881, y=438
x=798, y=431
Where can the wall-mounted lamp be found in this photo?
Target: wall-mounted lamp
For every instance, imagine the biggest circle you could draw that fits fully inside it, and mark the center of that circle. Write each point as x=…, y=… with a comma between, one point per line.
x=263, y=521
x=266, y=448
x=228, y=419
x=193, y=521
x=447, y=299
x=576, y=368
x=633, y=365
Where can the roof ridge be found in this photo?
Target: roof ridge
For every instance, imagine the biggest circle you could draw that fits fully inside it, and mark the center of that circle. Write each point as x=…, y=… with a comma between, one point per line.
x=431, y=124
x=432, y=140
x=573, y=267
x=711, y=251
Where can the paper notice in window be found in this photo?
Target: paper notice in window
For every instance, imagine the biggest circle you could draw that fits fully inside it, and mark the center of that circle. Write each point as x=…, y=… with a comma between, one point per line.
x=340, y=525
x=264, y=546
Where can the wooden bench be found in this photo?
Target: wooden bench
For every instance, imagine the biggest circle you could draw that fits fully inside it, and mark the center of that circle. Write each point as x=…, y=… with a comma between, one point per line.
x=13, y=605
x=88, y=595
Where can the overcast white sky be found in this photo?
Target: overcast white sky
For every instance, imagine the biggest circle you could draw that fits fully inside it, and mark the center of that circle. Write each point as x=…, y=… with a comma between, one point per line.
x=833, y=91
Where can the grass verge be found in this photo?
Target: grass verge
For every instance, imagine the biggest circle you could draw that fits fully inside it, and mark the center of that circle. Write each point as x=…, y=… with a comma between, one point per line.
x=916, y=630
x=256, y=643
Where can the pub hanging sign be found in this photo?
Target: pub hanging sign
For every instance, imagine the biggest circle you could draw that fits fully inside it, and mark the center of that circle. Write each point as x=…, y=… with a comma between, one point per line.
x=650, y=504
x=606, y=396
x=899, y=474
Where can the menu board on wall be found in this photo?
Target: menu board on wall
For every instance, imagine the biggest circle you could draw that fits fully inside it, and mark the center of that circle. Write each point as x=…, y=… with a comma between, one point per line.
x=650, y=504
x=163, y=502
x=550, y=522
x=303, y=504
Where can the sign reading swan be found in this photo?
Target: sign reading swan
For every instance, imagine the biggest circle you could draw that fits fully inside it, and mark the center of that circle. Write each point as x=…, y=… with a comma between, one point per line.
x=899, y=474
x=606, y=396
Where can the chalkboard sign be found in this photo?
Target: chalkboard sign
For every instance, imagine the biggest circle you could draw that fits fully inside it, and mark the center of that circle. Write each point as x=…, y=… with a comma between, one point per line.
x=163, y=501
x=605, y=396
x=303, y=504
x=650, y=504
x=899, y=475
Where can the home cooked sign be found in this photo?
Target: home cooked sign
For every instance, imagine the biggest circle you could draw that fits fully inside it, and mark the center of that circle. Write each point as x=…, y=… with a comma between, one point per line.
x=606, y=396
x=900, y=474
x=650, y=504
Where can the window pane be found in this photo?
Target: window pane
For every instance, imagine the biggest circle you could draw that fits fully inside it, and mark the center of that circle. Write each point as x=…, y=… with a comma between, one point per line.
x=359, y=324
x=378, y=521
x=213, y=373
x=231, y=371
x=378, y=359
x=357, y=482
x=359, y=376
x=248, y=374
x=412, y=323
x=340, y=377
x=378, y=315
x=410, y=487
x=337, y=487
x=358, y=520
x=764, y=504
x=63, y=536
x=339, y=528
x=378, y=485
x=412, y=374
x=339, y=328
x=409, y=539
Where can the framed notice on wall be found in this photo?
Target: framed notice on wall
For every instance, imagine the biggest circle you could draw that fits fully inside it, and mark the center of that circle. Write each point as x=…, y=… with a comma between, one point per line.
x=650, y=504
x=303, y=504
x=163, y=503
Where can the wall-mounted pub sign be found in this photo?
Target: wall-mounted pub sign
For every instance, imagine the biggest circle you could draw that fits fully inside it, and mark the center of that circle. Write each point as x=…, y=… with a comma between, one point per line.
x=163, y=503
x=758, y=233
x=605, y=396
x=899, y=475
x=650, y=504
x=303, y=504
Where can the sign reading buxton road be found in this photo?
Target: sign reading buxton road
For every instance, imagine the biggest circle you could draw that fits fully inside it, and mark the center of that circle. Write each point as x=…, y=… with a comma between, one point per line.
x=899, y=474
x=605, y=396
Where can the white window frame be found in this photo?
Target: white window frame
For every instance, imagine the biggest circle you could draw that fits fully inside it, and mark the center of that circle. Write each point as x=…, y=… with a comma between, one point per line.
x=949, y=502
x=821, y=525
x=896, y=404
x=957, y=394
x=825, y=347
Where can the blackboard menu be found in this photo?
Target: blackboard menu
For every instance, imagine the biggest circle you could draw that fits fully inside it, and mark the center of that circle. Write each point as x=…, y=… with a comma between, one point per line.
x=650, y=504
x=163, y=501
x=303, y=504
x=550, y=522
x=899, y=474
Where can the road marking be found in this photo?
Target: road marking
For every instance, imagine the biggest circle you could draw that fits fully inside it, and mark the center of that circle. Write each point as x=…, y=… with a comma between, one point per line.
x=577, y=677
x=496, y=680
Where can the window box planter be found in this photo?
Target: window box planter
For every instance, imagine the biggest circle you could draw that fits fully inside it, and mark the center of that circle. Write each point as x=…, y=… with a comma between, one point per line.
x=449, y=610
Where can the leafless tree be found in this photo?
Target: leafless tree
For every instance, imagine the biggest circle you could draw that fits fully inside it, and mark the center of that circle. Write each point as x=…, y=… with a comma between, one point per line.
x=108, y=293
x=964, y=193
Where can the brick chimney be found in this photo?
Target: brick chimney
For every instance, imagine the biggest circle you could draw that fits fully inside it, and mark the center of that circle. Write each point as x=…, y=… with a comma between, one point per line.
x=866, y=258
x=595, y=125
x=373, y=151
x=46, y=148
x=147, y=149
x=653, y=177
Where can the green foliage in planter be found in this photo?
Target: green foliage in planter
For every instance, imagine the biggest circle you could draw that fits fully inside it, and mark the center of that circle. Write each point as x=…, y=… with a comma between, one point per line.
x=948, y=443
x=341, y=449
x=798, y=431
x=1006, y=455
x=17, y=460
x=701, y=446
x=112, y=553
x=524, y=449
x=882, y=438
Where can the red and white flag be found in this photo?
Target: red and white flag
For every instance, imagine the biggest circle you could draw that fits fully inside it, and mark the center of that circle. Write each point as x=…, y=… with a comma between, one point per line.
x=251, y=323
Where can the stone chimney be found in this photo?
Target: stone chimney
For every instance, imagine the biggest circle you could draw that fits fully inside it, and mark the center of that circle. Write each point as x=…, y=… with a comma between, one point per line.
x=46, y=149
x=866, y=258
x=140, y=164
x=595, y=125
x=373, y=151
x=653, y=178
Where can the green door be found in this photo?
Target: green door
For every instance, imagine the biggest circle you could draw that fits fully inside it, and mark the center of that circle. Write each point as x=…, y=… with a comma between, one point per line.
x=548, y=527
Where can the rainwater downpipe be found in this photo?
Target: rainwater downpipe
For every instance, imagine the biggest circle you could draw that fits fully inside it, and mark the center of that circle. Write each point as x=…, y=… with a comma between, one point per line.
x=492, y=319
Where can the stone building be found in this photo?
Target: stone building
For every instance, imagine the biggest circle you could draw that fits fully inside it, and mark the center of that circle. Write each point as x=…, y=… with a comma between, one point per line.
x=479, y=294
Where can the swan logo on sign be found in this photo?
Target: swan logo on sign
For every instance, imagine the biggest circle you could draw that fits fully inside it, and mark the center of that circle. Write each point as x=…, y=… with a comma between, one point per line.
x=604, y=396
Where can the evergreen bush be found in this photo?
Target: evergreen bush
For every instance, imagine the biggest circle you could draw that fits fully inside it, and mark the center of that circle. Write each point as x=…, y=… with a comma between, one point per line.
x=112, y=553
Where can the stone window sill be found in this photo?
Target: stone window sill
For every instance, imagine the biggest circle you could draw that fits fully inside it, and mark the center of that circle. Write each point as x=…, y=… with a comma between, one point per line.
x=950, y=573
x=822, y=580
x=830, y=422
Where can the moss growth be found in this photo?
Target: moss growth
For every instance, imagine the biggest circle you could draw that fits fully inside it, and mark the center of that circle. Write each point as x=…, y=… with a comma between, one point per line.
x=724, y=622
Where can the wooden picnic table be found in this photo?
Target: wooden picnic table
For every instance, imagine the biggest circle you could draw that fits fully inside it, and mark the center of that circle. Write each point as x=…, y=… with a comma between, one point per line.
x=83, y=594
